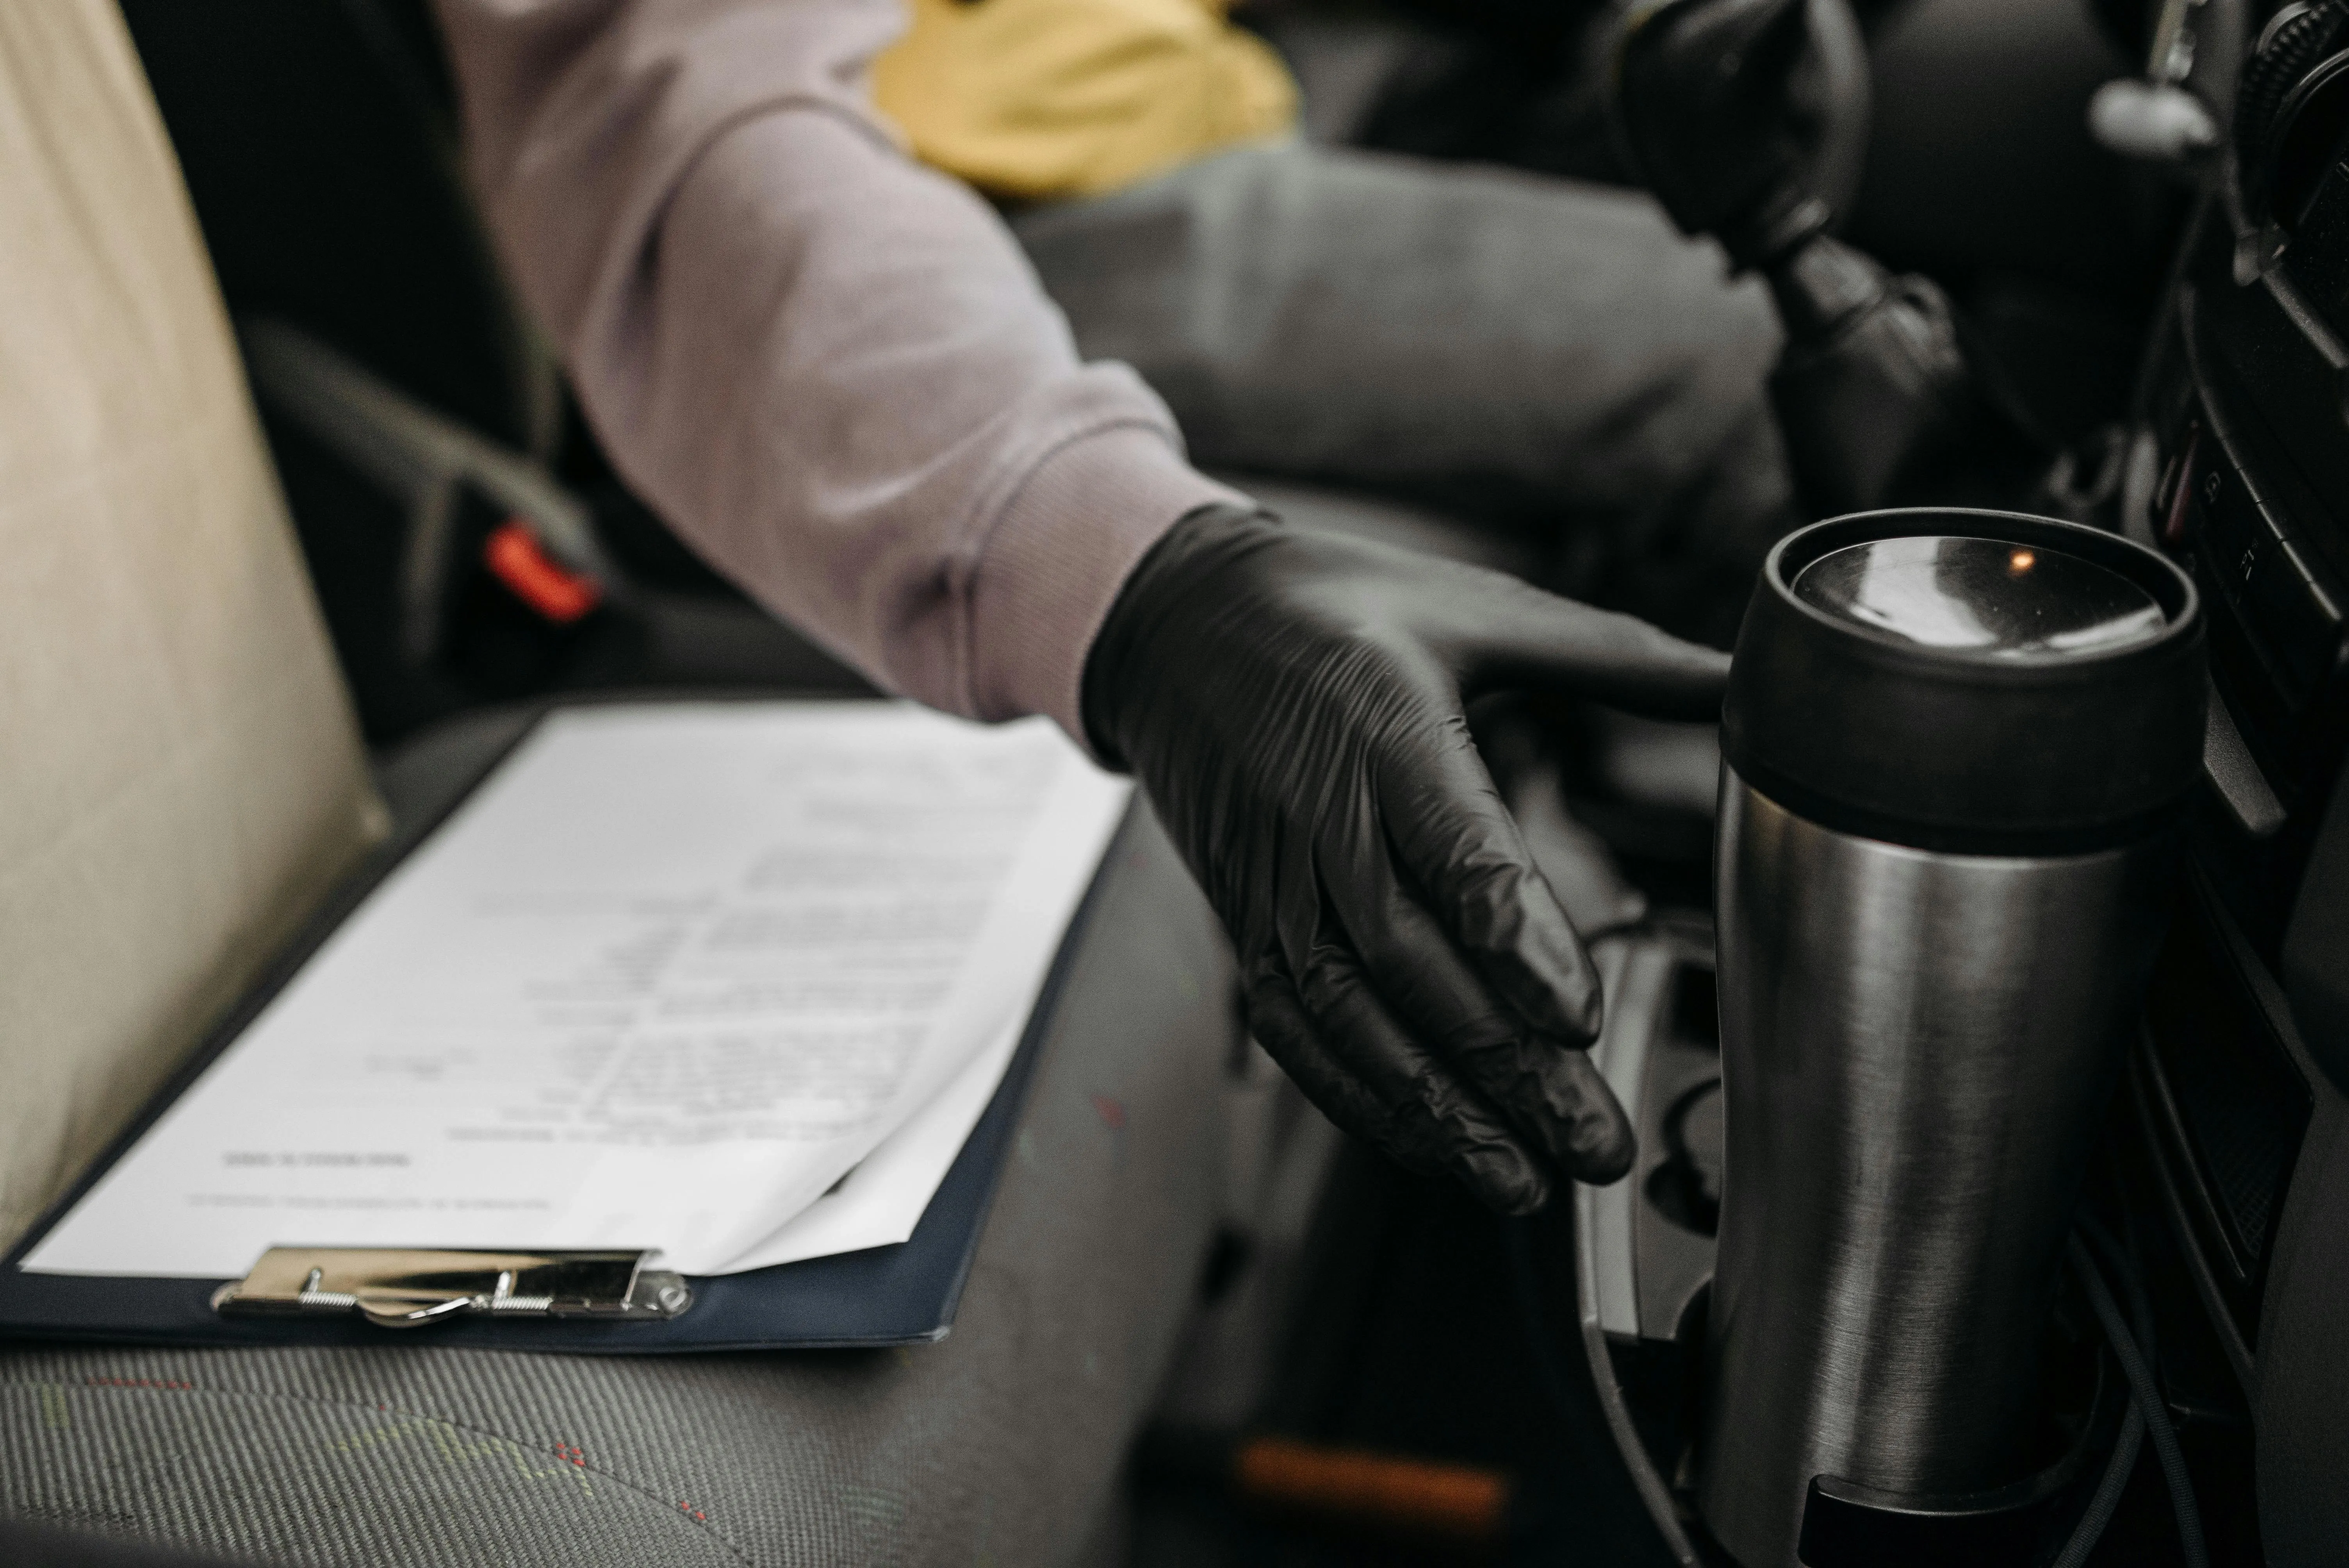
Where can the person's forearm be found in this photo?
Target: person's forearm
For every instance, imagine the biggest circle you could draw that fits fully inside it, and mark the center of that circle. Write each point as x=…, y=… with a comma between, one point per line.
x=829, y=369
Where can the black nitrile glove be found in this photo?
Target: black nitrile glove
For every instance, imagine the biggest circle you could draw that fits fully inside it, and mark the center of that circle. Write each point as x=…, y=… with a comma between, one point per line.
x=1294, y=706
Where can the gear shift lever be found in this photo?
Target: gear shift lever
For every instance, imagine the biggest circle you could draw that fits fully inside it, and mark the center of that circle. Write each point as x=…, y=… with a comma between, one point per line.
x=1747, y=119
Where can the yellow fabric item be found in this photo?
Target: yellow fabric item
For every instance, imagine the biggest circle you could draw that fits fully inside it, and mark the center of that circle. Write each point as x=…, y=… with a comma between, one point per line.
x=1035, y=99
x=180, y=777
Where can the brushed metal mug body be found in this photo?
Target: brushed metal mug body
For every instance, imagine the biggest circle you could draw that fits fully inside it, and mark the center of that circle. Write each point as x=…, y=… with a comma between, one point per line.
x=1916, y=1050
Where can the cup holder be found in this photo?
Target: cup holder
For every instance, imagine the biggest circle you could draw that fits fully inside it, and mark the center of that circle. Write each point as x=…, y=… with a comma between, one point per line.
x=1686, y=1187
x=1643, y=1271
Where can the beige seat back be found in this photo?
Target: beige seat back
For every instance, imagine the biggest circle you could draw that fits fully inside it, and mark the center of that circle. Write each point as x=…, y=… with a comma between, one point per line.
x=180, y=778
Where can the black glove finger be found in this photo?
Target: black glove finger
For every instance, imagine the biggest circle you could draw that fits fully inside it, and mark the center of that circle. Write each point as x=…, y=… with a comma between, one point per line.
x=1332, y=1035
x=1545, y=1088
x=1598, y=1129
x=1518, y=636
x=1440, y=1113
x=1300, y=914
x=1460, y=848
x=1277, y=1017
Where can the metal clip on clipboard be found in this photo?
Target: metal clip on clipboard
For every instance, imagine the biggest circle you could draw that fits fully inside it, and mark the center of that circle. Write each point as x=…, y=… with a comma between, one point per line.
x=398, y=1287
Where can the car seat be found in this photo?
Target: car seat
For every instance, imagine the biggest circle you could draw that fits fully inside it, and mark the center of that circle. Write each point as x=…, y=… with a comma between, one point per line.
x=184, y=781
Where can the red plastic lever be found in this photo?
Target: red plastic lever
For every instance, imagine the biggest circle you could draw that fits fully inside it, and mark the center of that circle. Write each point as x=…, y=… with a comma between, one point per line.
x=514, y=557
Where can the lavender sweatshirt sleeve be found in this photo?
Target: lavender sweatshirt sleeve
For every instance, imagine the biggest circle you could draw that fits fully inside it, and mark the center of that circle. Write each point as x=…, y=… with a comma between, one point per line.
x=828, y=367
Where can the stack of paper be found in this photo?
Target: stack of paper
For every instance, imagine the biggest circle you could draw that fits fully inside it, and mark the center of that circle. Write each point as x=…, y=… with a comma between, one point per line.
x=665, y=980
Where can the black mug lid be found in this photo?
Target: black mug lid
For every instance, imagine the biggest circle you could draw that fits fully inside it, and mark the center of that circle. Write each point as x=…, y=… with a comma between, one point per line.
x=1985, y=596
x=1973, y=681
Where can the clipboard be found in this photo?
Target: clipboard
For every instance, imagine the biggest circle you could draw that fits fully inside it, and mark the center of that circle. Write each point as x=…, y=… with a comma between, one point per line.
x=904, y=1294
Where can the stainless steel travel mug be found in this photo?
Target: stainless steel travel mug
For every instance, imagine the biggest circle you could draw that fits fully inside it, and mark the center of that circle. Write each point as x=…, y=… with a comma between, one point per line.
x=1956, y=745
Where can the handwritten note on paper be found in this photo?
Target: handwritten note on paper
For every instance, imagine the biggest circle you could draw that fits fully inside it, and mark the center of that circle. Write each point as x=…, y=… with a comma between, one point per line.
x=665, y=978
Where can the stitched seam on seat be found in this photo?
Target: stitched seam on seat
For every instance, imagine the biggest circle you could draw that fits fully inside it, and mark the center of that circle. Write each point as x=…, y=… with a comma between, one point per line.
x=668, y=1507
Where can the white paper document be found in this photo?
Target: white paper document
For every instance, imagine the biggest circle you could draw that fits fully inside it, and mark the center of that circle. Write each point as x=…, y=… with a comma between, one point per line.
x=882, y=1200
x=670, y=974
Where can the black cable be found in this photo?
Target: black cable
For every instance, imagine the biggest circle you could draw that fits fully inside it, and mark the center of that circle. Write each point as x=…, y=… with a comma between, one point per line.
x=1655, y=1497
x=2122, y=1462
x=2121, y=1263
x=2108, y=1499
x=2148, y=1402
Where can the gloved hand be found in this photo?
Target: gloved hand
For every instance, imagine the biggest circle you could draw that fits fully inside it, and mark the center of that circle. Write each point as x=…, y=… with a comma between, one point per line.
x=1294, y=704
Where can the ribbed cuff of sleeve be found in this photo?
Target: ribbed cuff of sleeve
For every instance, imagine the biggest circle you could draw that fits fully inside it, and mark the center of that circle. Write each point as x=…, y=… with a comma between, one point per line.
x=1056, y=558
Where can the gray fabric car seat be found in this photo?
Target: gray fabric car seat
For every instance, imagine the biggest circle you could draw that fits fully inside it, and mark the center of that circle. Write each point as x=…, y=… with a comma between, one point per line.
x=999, y=1445
x=181, y=783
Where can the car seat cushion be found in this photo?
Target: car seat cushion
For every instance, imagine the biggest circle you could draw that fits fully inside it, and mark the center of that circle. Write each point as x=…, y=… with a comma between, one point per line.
x=999, y=1443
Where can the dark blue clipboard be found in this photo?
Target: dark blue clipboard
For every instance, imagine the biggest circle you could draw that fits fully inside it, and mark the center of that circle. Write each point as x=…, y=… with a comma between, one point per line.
x=901, y=1295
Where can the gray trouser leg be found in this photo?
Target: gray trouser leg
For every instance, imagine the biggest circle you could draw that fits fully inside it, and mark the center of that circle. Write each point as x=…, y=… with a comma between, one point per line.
x=1522, y=345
